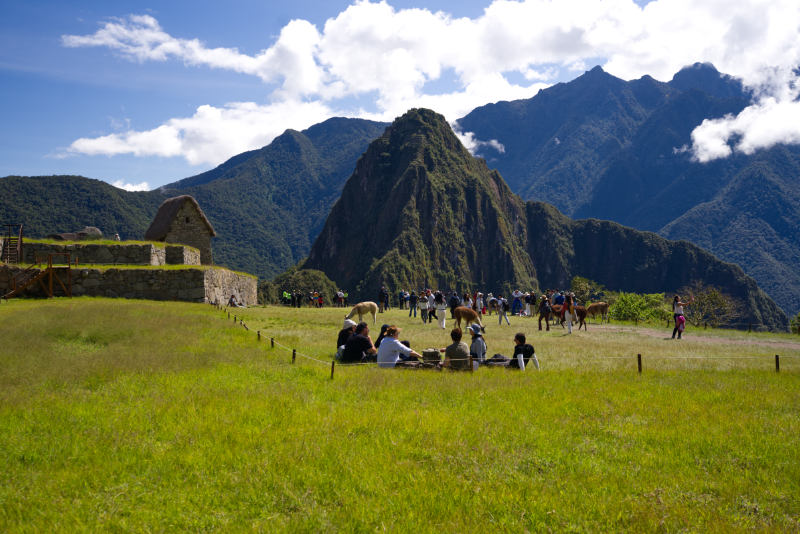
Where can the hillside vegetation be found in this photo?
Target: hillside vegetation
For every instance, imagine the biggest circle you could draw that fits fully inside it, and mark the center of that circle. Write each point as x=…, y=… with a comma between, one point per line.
x=125, y=415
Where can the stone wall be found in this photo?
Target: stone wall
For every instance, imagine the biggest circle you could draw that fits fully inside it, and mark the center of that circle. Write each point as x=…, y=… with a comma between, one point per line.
x=189, y=284
x=220, y=284
x=188, y=228
x=121, y=254
x=182, y=255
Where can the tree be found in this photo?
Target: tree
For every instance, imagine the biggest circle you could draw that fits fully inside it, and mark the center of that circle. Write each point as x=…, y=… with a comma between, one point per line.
x=588, y=290
x=710, y=305
x=795, y=327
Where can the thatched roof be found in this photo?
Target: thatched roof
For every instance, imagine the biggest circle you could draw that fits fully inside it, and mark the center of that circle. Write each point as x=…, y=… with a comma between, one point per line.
x=166, y=214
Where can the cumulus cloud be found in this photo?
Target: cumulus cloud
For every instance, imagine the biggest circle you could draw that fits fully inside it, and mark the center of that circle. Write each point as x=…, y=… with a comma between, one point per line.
x=373, y=52
x=143, y=186
x=211, y=135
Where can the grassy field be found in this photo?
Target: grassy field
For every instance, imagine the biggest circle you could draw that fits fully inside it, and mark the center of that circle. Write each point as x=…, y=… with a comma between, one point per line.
x=149, y=416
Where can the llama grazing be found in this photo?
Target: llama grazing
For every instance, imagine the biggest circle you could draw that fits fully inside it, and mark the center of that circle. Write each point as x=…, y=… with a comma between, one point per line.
x=468, y=315
x=362, y=309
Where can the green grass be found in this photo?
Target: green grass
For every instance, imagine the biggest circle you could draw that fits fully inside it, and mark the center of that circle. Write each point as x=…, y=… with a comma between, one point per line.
x=146, y=416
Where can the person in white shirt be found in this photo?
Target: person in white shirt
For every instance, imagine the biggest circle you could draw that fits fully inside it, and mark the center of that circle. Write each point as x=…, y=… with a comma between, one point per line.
x=393, y=351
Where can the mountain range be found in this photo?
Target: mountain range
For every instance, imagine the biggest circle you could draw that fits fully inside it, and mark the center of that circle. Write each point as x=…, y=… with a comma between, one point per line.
x=420, y=211
x=606, y=148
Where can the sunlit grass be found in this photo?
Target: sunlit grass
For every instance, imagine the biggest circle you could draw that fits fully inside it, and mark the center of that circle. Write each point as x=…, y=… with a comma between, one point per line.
x=126, y=415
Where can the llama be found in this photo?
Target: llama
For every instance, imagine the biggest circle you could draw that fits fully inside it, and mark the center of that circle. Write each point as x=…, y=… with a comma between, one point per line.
x=598, y=307
x=469, y=315
x=364, y=308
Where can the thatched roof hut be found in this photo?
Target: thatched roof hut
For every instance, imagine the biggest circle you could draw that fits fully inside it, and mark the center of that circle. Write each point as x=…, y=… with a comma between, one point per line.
x=180, y=220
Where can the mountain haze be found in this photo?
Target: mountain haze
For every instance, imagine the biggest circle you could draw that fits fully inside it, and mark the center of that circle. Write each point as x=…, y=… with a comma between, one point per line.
x=420, y=211
x=605, y=148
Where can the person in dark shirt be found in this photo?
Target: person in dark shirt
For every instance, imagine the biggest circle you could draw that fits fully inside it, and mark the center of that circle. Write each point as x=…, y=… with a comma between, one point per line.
x=347, y=330
x=381, y=335
x=520, y=347
x=359, y=347
x=412, y=304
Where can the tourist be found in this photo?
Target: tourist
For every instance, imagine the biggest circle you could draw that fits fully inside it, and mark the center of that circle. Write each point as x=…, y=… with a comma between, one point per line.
x=523, y=353
x=382, y=334
x=478, y=347
x=412, y=304
x=359, y=347
x=456, y=355
x=348, y=329
x=392, y=351
x=677, y=315
x=502, y=310
x=441, y=306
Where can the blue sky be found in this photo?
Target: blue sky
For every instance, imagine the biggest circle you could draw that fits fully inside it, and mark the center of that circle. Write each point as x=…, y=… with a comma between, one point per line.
x=136, y=93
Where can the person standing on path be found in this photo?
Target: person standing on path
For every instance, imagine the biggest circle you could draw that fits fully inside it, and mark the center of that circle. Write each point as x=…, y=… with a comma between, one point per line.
x=677, y=316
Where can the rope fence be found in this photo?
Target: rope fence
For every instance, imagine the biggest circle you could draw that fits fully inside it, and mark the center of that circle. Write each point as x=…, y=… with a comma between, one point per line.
x=639, y=360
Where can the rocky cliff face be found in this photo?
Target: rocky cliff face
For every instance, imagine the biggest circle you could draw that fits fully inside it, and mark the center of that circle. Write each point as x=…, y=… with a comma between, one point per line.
x=624, y=259
x=420, y=211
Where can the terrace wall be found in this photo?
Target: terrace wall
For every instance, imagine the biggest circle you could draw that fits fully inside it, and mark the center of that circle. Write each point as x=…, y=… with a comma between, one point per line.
x=190, y=284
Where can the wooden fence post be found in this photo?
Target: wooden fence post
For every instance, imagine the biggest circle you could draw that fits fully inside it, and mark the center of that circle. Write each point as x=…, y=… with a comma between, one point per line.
x=777, y=364
x=229, y=315
x=294, y=354
x=470, y=363
x=272, y=342
x=639, y=362
x=333, y=366
x=258, y=332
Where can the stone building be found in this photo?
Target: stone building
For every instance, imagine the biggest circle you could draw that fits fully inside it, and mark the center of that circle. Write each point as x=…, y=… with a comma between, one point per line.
x=180, y=220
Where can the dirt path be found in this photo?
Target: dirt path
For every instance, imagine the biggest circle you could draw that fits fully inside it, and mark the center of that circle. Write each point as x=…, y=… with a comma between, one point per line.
x=699, y=338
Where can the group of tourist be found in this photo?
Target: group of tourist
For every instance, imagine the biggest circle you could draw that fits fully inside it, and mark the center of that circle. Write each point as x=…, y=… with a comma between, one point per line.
x=313, y=299
x=355, y=345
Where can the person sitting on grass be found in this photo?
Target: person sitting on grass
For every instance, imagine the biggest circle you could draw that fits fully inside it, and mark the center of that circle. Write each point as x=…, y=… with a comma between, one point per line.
x=456, y=355
x=381, y=336
x=478, y=347
x=359, y=348
x=521, y=348
x=348, y=329
x=393, y=352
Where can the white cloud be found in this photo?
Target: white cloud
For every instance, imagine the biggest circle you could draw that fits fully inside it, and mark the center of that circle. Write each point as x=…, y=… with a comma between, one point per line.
x=371, y=50
x=143, y=186
x=211, y=135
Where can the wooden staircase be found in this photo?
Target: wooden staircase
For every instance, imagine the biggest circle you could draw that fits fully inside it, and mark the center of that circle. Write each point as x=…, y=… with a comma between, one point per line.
x=12, y=245
x=40, y=273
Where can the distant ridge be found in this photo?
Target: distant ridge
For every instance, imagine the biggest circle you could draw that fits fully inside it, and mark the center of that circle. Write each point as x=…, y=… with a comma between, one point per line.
x=606, y=148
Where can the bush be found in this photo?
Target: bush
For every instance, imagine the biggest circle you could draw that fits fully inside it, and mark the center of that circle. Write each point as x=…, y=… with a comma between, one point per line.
x=636, y=307
x=795, y=327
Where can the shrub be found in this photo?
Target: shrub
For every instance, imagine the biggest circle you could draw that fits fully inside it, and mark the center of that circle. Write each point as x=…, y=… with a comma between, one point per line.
x=639, y=307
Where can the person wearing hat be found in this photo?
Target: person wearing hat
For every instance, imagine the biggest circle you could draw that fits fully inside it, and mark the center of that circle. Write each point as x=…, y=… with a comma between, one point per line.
x=478, y=347
x=347, y=330
x=392, y=351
